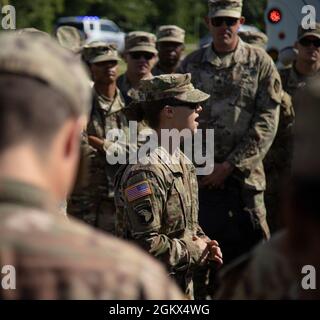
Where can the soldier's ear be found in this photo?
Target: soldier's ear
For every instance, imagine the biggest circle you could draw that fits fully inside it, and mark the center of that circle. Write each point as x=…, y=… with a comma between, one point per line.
x=168, y=112
x=242, y=20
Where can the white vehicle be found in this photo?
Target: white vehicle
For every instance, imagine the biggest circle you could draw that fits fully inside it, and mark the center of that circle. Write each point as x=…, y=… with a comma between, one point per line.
x=282, y=18
x=95, y=29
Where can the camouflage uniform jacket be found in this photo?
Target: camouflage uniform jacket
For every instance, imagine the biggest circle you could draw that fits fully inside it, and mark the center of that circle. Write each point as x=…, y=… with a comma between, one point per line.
x=57, y=258
x=292, y=80
x=243, y=108
x=272, y=271
x=163, y=216
x=105, y=116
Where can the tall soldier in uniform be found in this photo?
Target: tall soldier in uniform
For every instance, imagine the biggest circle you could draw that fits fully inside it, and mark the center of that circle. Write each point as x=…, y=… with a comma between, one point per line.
x=170, y=44
x=44, y=97
x=243, y=109
x=157, y=198
x=140, y=54
x=93, y=200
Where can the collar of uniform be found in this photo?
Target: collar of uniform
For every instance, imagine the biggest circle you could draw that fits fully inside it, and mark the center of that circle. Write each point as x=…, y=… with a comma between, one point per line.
x=17, y=192
x=108, y=105
x=172, y=161
x=233, y=57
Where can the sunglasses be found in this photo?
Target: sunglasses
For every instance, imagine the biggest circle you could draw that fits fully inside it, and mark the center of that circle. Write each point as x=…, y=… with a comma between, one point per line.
x=218, y=21
x=137, y=55
x=307, y=42
x=193, y=106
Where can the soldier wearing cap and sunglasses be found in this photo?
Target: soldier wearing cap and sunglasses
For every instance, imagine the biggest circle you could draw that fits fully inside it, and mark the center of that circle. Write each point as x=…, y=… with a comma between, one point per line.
x=243, y=109
x=92, y=200
x=140, y=54
x=170, y=44
x=307, y=63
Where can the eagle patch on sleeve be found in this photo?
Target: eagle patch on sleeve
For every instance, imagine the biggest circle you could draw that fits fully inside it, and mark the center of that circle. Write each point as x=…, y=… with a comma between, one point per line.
x=138, y=191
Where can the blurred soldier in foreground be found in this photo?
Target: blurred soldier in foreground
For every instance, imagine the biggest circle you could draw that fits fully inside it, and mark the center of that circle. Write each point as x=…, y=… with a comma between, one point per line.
x=55, y=258
x=170, y=44
x=69, y=38
x=243, y=109
x=93, y=199
x=140, y=54
x=275, y=270
x=157, y=198
x=307, y=63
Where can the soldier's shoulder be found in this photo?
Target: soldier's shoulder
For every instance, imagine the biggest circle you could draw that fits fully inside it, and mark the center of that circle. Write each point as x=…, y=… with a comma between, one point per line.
x=256, y=54
x=193, y=57
x=285, y=72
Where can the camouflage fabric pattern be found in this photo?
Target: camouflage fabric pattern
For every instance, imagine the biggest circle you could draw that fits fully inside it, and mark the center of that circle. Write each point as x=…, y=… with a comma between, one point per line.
x=33, y=31
x=243, y=108
x=176, y=86
x=93, y=201
x=170, y=33
x=48, y=250
x=98, y=51
x=302, y=33
x=164, y=220
x=225, y=8
x=140, y=41
x=69, y=38
x=292, y=80
x=44, y=59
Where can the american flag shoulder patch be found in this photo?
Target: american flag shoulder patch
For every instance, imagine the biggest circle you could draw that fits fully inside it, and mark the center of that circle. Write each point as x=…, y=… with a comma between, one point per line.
x=138, y=190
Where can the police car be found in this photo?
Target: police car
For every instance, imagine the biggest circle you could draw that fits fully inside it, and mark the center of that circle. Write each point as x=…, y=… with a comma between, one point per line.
x=94, y=28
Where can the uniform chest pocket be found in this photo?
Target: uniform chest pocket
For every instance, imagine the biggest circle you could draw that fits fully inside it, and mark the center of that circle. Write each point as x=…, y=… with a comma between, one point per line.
x=175, y=219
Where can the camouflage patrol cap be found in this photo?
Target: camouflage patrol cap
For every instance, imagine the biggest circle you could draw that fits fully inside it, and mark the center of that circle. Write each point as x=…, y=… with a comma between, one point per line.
x=140, y=41
x=44, y=59
x=170, y=33
x=302, y=33
x=306, y=158
x=69, y=38
x=255, y=38
x=225, y=8
x=165, y=86
x=98, y=51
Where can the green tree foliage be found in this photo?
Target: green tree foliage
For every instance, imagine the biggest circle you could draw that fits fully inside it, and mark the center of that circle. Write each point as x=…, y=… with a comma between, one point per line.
x=128, y=14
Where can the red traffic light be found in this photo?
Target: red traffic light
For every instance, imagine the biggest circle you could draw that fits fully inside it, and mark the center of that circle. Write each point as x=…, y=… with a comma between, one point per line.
x=274, y=16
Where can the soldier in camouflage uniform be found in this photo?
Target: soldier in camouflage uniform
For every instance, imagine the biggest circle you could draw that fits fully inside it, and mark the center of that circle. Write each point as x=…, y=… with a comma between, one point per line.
x=93, y=200
x=157, y=202
x=255, y=38
x=170, y=44
x=140, y=54
x=307, y=62
x=243, y=110
x=55, y=258
x=274, y=270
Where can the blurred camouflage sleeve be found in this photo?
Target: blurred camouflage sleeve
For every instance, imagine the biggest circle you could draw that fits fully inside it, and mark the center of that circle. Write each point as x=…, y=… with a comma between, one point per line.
x=146, y=219
x=254, y=145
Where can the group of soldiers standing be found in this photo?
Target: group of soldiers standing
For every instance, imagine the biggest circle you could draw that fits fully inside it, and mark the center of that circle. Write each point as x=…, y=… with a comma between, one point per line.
x=203, y=229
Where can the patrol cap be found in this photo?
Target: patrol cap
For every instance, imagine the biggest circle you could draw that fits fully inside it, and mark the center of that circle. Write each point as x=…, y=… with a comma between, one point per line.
x=255, y=38
x=44, y=59
x=140, y=41
x=302, y=33
x=306, y=158
x=170, y=33
x=98, y=51
x=69, y=38
x=225, y=8
x=166, y=86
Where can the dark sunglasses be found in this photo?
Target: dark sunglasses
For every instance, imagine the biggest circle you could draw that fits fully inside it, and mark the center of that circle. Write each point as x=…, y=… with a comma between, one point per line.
x=218, y=21
x=307, y=42
x=193, y=106
x=137, y=55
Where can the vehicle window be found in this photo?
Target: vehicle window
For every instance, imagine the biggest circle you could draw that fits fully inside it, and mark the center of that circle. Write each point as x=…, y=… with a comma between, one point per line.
x=107, y=27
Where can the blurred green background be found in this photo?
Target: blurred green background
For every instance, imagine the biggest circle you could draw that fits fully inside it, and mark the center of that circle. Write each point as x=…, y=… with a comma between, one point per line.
x=129, y=14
